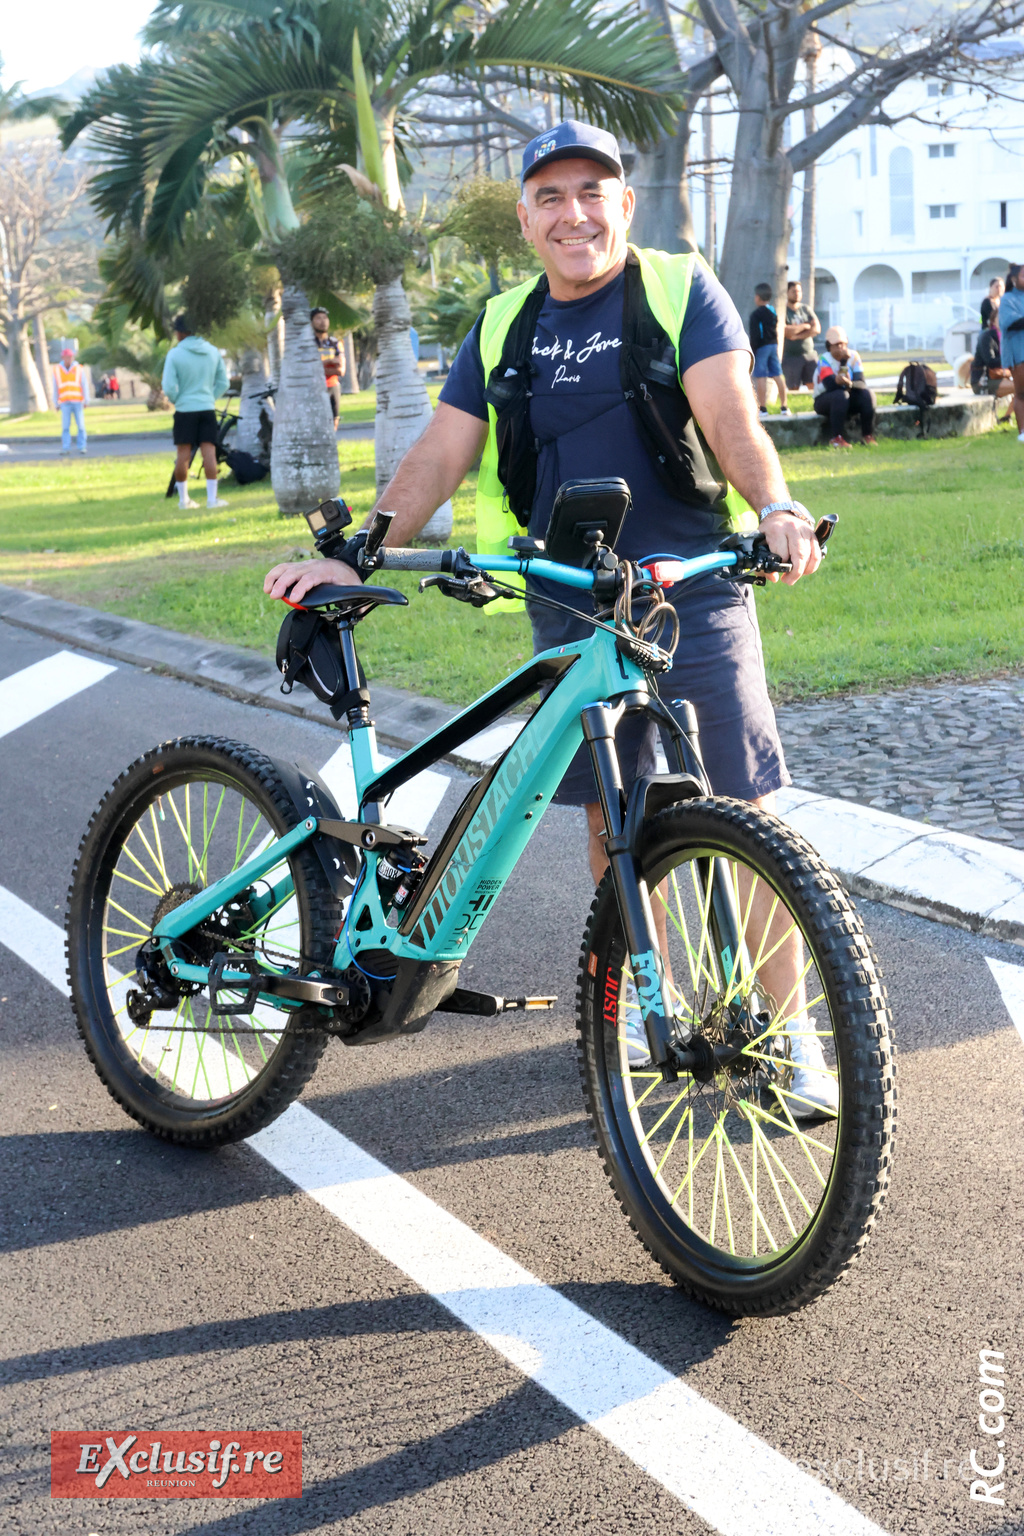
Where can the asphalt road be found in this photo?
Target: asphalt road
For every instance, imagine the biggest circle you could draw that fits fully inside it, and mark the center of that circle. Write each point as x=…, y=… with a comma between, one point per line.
x=152, y=1288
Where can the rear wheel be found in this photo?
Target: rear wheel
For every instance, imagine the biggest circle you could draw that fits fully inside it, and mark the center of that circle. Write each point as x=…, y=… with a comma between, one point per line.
x=176, y=821
x=754, y=1184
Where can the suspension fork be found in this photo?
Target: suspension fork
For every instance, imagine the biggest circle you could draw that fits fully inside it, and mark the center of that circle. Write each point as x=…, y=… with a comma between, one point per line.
x=682, y=742
x=656, y=1007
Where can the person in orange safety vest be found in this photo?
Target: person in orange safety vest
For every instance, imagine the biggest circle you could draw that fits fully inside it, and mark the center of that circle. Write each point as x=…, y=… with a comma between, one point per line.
x=71, y=390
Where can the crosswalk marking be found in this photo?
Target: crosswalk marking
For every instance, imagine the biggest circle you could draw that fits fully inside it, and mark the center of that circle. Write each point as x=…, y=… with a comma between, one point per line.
x=413, y=805
x=35, y=689
x=1010, y=981
x=34, y=939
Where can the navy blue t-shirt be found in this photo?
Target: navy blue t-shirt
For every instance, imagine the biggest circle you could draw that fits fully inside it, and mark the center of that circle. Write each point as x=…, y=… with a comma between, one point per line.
x=581, y=420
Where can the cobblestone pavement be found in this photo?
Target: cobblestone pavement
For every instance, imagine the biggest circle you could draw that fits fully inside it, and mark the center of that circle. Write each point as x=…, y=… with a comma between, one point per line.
x=951, y=754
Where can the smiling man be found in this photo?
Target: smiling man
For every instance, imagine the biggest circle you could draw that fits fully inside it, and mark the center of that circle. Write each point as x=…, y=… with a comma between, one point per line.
x=581, y=353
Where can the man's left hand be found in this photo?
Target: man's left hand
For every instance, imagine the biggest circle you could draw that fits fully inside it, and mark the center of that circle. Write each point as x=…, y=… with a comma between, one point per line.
x=792, y=539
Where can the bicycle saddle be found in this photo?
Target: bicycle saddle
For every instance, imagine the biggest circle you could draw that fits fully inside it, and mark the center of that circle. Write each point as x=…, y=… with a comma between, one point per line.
x=346, y=599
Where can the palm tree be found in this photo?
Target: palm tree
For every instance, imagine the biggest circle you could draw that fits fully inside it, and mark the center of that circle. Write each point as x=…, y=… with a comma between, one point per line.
x=242, y=75
x=16, y=107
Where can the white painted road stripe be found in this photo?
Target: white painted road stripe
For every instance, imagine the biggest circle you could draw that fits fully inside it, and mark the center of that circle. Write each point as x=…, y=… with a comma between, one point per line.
x=412, y=805
x=728, y=1476
x=1010, y=981
x=34, y=690
x=34, y=939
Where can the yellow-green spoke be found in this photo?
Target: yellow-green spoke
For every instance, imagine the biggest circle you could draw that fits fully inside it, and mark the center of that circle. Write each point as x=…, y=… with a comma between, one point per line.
x=694, y=1164
x=684, y=1118
x=185, y=828
x=768, y=1152
x=661, y=1120
x=760, y=1148
x=756, y=1213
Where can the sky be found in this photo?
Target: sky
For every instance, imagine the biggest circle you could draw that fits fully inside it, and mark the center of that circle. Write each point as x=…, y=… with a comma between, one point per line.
x=46, y=44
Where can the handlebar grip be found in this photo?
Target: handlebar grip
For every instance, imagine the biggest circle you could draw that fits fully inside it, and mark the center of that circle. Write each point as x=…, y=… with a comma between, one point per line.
x=416, y=560
x=376, y=534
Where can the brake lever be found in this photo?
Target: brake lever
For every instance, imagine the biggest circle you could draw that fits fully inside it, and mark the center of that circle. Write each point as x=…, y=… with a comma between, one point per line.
x=474, y=590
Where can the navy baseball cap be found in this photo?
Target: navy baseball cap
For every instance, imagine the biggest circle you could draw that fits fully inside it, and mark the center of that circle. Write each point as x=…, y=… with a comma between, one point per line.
x=572, y=141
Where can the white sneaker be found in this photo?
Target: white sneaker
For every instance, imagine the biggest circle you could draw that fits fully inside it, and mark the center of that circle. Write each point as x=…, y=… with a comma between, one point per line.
x=814, y=1090
x=762, y=415
x=784, y=410
x=189, y=504
x=1020, y=437
x=631, y=1030
x=217, y=503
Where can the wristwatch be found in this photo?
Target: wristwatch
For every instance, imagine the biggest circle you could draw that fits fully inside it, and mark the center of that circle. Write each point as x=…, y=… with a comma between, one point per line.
x=796, y=507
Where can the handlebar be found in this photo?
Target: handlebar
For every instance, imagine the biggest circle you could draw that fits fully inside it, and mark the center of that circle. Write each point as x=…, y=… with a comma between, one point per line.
x=444, y=560
x=747, y=551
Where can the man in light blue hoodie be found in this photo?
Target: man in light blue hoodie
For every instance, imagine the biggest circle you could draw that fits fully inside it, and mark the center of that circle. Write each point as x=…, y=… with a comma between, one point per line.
x=194, y=375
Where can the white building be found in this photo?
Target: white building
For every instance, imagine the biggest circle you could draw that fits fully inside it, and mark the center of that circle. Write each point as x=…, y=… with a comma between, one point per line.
x=913, y=221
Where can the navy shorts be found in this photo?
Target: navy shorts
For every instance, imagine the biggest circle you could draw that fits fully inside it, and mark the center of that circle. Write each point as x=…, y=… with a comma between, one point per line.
x=195, y=427
x=766, y=362
x=719, y=667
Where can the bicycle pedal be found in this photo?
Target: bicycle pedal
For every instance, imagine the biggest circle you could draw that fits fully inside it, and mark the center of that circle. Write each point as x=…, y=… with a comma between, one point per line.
x=486, y=1004
x=246, y=965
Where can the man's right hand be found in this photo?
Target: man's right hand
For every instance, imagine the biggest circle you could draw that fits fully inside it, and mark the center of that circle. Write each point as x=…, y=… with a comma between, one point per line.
x=297, y=577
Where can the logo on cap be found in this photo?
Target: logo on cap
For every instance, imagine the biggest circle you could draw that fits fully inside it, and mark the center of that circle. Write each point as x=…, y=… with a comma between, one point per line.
x=545, y=149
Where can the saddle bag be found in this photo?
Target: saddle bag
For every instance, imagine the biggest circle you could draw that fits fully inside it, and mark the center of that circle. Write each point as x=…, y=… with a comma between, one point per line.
x=309, y=653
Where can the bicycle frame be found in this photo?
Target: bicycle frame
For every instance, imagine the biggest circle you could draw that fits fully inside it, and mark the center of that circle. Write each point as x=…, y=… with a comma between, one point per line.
x=591, y=684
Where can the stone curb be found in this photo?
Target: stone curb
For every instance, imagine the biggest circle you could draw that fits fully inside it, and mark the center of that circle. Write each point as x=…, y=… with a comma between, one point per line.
x=402, y=719
x=967, y=882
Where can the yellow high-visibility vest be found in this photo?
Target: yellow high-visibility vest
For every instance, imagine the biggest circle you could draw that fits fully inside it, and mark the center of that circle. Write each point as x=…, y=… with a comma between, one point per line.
x=666, y=281
x=68, y=383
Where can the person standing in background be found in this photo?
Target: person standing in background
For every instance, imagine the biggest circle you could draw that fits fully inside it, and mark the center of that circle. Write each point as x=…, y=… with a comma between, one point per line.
x=763, y=329
x=194, y=375
x=332, y=355
x=1011, y=345
x=991, y=300
x=71, y=392
x=799, y=354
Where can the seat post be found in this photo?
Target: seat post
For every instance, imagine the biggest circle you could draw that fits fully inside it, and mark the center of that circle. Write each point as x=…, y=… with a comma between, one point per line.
x=357, y=714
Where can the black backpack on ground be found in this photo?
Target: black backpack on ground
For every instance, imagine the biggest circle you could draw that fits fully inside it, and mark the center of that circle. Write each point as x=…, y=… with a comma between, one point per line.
x=245, y=468
x=917, y=385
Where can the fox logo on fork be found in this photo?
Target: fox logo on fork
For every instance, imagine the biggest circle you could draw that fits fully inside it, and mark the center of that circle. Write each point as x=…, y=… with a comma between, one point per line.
x=648, y=986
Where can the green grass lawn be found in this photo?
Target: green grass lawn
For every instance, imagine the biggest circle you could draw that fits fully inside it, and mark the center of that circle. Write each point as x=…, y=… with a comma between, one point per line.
x=131, y=416
x=100, y=421
x=925, y=577
x=102, y=533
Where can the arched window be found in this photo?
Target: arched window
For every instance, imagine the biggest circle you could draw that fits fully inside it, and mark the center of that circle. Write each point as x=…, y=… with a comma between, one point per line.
x=901, y=194
x=878, y=282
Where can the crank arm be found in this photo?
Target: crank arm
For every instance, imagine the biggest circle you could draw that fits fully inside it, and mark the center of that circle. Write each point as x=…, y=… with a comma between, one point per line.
x=298, y=989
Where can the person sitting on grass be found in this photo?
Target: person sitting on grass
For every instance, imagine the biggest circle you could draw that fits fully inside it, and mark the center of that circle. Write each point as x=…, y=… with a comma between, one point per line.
x=840, y=390
x=763, y=328
x=988, y=376
x=194, y=375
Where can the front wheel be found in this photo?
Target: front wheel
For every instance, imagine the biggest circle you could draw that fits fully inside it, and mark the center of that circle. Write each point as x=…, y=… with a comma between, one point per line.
x=755, y=1184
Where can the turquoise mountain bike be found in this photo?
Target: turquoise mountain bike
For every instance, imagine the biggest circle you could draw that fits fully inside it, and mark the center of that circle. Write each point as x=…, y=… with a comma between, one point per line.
x=225, y=920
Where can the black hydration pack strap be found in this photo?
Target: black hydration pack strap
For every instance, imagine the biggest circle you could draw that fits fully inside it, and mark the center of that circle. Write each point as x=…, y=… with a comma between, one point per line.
x=510, y=390
x=648, y=368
